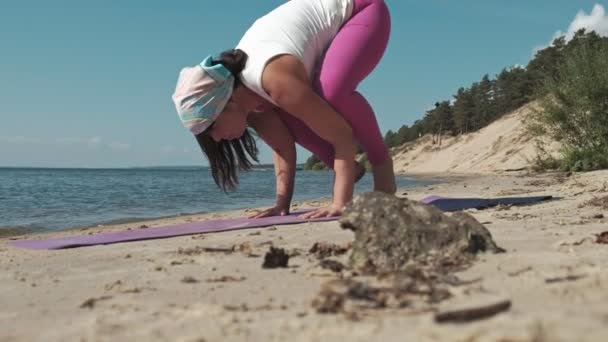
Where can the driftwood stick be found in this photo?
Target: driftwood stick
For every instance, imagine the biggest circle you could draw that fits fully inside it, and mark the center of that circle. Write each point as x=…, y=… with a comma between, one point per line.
x=474, y=313
x=572, y=277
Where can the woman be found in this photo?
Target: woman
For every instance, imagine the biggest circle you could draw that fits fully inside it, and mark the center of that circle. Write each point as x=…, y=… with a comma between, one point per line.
x=293, y=79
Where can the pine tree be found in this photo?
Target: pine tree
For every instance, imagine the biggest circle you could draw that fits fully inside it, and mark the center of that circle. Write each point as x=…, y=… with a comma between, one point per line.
x=464, y=109
x=390, y=139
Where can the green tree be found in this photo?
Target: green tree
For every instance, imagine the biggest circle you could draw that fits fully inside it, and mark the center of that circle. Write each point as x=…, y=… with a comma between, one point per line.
x=464, y=110
x=431, y=123
x=575, y=110
x=545, y=62
x=390, y=139
x=513, y=88
x=445, y=115
x=476, y=120
x=313, y=163
x=484, y=100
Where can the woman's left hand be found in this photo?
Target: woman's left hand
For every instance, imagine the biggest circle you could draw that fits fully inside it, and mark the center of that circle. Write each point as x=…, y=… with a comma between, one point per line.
x=330, y=211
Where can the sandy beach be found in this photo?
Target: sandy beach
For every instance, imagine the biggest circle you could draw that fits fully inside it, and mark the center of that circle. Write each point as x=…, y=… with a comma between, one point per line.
x=213, y=288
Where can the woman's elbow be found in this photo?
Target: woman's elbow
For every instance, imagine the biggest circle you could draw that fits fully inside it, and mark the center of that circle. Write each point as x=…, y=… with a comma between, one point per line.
x=289, y=97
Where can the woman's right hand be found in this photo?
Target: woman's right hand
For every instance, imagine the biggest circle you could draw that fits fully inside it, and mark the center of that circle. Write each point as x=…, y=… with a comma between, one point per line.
x=274, y=211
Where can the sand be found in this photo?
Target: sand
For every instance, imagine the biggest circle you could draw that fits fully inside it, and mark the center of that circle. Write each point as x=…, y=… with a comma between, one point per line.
x=505, y=144
x=181, y=289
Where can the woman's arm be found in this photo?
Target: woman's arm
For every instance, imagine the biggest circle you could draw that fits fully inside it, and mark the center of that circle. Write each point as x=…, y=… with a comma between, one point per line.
x=273, y=131
x=286, y=81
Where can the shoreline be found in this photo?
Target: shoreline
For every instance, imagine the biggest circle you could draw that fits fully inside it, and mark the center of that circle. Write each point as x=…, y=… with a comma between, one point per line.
x=118, y=224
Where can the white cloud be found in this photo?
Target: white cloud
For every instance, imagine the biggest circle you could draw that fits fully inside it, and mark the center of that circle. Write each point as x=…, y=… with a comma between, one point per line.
x=595, y=21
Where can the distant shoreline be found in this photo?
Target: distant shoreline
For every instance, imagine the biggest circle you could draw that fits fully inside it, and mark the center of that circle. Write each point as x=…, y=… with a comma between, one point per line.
x=48, y=199
x=126, y=222
x=299, y=167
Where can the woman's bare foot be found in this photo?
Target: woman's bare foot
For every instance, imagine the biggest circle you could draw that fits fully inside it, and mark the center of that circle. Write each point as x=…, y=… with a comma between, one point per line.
x=384, y=177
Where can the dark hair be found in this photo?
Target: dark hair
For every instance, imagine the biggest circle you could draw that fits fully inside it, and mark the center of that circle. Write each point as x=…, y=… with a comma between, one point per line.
x=229, y=157
x=235, y=61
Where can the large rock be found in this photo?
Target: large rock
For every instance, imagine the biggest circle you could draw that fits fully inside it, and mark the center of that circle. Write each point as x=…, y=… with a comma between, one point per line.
x=390, y=232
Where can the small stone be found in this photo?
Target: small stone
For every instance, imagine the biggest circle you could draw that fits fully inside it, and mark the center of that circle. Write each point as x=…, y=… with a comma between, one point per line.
x=245, y=248
x=275, y=258
x=189, y=280
x=225, y=279
x=602, y=238
x=325, y=249
x=332, y=265
x=90, y=303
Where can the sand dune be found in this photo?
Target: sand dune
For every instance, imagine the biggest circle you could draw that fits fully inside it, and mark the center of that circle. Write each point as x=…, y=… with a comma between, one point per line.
x=502, y=145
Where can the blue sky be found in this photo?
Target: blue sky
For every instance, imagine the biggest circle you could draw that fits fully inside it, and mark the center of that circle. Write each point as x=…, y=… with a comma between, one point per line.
x=88, y=83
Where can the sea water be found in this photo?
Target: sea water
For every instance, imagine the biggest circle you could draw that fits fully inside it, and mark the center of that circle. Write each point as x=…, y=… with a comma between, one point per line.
x=39, y=199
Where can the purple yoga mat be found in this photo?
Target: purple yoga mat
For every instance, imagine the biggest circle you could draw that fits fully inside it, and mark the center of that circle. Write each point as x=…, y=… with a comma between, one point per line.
x=222, y=225
x=207, y=226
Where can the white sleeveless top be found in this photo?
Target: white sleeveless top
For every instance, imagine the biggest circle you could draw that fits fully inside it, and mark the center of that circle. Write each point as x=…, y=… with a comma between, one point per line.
x=302, y=28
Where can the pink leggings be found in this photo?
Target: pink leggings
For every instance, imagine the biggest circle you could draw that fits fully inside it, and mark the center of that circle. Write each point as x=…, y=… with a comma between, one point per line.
x=351, y=56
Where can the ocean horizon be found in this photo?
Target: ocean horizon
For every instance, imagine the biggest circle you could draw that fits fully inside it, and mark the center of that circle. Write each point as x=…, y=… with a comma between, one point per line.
x=41, y=199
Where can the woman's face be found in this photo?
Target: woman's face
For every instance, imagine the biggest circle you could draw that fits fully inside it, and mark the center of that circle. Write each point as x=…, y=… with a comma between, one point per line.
x=230, y=124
